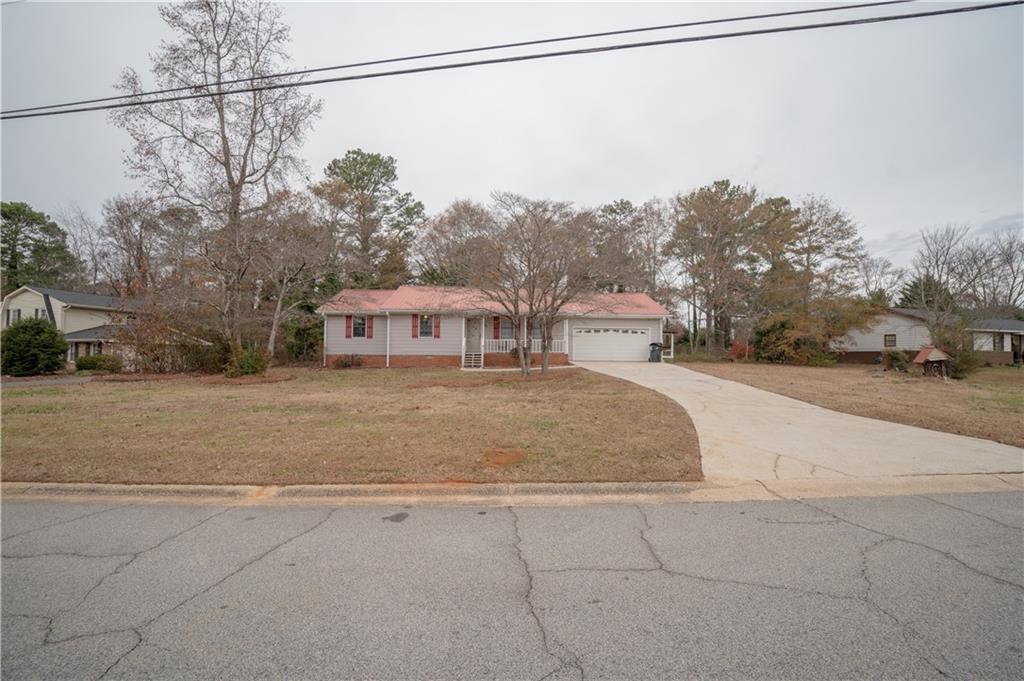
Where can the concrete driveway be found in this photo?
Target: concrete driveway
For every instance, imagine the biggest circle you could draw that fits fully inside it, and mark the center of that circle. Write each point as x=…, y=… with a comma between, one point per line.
x=751, y=434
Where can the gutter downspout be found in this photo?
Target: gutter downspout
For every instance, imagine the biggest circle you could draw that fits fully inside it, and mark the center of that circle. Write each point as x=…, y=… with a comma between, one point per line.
x=387, y=340
x=325, y=339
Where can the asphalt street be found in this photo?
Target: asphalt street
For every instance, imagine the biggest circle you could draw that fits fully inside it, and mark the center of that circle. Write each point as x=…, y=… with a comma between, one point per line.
x=897, y=587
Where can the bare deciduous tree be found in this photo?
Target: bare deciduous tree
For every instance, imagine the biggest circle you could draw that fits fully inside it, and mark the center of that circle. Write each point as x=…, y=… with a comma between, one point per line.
x=130, y=233
x=295, y=247
x=227, y=154
x=879, y=278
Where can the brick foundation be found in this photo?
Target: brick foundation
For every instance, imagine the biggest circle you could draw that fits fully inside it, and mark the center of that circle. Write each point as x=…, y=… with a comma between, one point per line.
x=868, y=357
x=400, y=361
x=996, y=356
x=491, y=359
x=505, y=359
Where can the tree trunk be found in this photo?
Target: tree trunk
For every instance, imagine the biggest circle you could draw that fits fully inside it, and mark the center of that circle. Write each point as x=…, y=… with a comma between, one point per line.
x=275, y=321
x=545, y=349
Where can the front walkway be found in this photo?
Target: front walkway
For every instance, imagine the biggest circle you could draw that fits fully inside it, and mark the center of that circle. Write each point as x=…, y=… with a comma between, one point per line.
x=751, y=434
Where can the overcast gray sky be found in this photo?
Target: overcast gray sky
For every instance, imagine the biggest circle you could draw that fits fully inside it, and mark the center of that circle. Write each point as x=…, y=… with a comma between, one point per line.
x=905, y=125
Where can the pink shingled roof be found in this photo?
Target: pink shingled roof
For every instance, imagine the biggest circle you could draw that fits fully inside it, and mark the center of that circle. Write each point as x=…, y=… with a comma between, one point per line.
x=441, y=298
x=617, y=303
x=460, y=299
x=930, y=353
x=357, y=300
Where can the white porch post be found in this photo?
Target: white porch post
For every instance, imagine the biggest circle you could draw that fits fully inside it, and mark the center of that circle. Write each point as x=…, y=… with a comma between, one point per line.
x=325, y=343
x=565, y=336
x=463, y=342
x=387, y=339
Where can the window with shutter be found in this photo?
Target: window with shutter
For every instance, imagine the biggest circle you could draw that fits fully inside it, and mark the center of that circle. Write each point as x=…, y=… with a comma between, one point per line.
x=426, y=328
x=359, y=326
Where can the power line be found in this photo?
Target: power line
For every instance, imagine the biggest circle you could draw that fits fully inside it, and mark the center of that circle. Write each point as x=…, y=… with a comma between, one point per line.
x=530, y=57
x=449, y=53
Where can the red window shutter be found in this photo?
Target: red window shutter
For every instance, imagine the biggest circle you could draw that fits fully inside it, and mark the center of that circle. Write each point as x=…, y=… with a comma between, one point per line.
x=415, y=326
x=369, y=327
x=437, y=326
x=497, y=328
x=348, y=326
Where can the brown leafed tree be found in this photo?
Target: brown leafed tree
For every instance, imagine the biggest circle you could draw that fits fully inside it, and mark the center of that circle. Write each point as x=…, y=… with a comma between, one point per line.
x=711, y=240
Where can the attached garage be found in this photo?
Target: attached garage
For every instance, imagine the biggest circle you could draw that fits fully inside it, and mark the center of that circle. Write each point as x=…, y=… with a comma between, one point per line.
x=611, y=343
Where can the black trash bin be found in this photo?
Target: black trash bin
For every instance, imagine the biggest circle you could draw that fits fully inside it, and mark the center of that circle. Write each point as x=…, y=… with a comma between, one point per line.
x=656, y=349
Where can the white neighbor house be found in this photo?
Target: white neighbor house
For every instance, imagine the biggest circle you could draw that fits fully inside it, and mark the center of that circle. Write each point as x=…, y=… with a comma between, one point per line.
x=905, y=329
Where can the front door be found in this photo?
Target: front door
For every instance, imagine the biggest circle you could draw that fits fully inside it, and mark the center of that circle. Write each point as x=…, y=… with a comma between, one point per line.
x=474, y=326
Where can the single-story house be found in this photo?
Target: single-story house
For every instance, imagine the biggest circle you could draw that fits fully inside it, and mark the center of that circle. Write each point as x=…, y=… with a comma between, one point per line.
x=438, y=326
x=999, y=341
x=88, y=321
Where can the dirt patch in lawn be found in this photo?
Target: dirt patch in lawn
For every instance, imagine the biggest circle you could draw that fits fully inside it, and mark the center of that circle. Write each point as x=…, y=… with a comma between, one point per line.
x=504, y=457
x=353, y=426
x=989, y=404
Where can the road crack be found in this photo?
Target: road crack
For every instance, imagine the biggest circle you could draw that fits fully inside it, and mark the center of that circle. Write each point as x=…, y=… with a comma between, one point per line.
x=118, y=569
x=573, y=661
x=974, y=513
x=138, y=631
x=59, y=523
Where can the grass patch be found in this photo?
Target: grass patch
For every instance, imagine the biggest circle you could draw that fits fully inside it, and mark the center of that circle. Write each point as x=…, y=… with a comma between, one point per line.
x=354, y=426
x=989, y=404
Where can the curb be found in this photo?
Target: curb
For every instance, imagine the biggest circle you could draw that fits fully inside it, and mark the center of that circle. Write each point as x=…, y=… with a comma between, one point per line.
x=525, y=494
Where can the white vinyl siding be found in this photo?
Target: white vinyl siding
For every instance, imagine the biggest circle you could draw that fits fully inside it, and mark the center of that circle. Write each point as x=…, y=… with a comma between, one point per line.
x=628, y=346
x=337, y=344
x=22, y=306
x=911, y=335
x=402, y=342
x=78, y=318
x=986, y=341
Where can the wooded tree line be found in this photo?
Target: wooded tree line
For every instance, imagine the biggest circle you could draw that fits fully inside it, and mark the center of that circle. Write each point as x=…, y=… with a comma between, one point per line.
x=225, y=241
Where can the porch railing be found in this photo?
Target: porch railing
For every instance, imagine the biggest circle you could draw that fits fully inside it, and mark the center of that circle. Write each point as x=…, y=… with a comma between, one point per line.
x=507, y=345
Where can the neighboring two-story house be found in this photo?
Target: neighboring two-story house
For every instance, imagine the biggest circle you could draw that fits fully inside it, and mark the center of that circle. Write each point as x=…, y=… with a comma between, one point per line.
x=88, y=321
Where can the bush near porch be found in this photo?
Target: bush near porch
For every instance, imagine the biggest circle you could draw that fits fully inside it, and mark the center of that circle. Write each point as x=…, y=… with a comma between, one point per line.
x=360, y=426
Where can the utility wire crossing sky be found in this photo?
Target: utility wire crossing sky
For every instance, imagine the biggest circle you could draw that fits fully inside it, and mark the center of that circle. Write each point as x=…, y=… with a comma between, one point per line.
x=468, y=50
x=142, y=99
x=905, y=124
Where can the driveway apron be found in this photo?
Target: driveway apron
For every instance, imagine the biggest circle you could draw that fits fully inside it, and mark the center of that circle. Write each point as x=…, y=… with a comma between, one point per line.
x=751, y=434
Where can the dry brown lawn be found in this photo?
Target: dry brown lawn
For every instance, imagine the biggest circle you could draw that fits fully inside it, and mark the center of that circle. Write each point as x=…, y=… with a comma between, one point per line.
x=355, y=426
x=989, y=404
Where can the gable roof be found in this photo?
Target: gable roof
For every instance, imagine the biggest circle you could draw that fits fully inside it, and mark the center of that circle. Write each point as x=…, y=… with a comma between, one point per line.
x=77, y=299
x=1006, y=325
x=103, y=332
x=470, y=300
x=930, y=353
x=912, y=312
x=350, y=301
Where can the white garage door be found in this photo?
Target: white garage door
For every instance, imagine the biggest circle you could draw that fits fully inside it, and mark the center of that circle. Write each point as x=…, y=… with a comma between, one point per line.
x=616, y=344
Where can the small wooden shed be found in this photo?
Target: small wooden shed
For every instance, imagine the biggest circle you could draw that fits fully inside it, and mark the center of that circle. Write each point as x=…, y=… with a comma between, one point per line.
x=933, y=361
